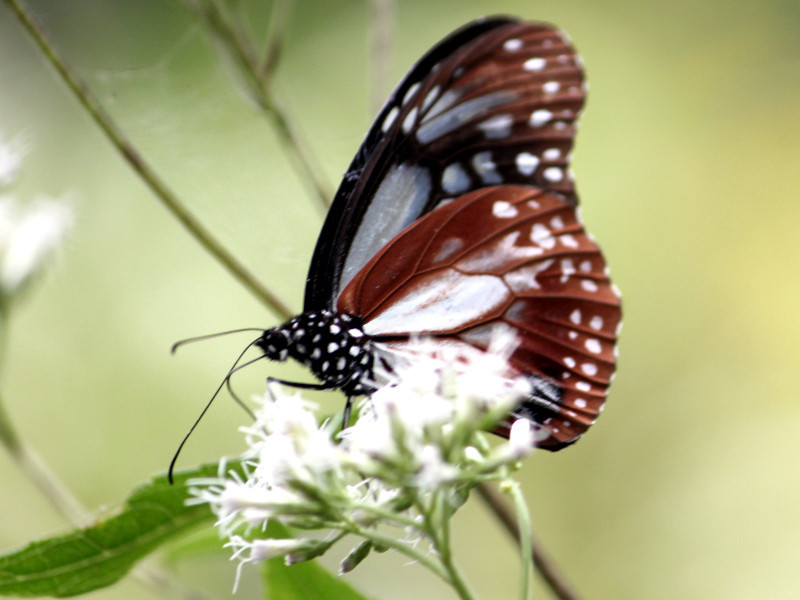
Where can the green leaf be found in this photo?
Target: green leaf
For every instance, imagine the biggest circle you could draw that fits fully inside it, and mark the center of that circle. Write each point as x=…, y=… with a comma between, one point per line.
x=204, y=542
x=99, y=555
x=302, y=580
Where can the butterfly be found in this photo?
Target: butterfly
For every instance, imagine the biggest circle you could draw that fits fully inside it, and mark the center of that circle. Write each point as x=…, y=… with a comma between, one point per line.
x=458, y=216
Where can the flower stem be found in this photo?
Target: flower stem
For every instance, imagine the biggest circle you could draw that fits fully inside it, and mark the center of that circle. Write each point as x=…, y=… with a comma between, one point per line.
x=436, y=516
x=388, y=515
x=130, y=154
x=551, y=574
x=445, y=569
x=525, y=543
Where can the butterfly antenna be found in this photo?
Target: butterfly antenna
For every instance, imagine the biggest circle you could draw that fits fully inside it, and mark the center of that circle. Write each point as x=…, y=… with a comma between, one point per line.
x=228, y=385
x=210, y=336
x=226, y=381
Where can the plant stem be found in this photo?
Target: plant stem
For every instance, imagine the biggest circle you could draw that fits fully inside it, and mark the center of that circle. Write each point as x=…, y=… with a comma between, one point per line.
x=277, y=27
x=526, y=541
x=446, y=570
x=258, y=82
x=382, y=14
x=32, y=465
x=388, y=515
x=547, y=568
x=129, y=153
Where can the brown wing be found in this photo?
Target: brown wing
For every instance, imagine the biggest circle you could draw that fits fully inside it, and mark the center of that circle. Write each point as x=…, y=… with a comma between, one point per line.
x=508, y=256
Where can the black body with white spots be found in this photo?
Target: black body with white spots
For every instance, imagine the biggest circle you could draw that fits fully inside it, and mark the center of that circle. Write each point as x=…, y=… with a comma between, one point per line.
x=332, y=345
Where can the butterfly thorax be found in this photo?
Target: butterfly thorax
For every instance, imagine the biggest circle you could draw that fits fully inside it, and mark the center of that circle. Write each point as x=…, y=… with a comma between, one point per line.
x=332, y=345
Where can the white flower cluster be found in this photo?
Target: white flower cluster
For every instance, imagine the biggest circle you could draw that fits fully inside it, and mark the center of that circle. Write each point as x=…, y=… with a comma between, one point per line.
x=418, y=446
x=29, y=236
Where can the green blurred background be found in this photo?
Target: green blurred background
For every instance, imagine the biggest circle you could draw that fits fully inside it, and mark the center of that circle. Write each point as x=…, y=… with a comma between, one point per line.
x=687, y=163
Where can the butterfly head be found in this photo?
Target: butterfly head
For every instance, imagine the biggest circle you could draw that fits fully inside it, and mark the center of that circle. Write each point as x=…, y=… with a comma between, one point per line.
x=332, y=345
x=274, y=343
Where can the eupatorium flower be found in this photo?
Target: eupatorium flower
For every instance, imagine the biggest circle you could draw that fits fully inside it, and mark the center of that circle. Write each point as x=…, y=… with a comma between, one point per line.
x=29, y=235
x=410, y=459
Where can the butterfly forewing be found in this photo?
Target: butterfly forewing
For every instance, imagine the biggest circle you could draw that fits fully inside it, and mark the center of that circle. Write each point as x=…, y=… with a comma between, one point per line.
x=494, y=103
x=504, y=256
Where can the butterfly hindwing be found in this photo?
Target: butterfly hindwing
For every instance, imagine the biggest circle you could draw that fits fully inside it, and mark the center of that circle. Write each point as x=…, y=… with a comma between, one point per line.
x=505, y=256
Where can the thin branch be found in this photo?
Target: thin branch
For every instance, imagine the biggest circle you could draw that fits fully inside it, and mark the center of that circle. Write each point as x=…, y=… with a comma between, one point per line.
x=240, y=52
x=543, y=563
x=37, y=471
x=167, y=197
x=275, y=35
x=382, y=13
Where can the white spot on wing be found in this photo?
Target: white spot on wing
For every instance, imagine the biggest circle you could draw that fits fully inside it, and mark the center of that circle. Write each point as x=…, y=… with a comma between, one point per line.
x=410, y=120
x=589, y=368
x=485, y=168
x=430, y=97
x=553, y=174
x=442, y=104
x=593, y=346
x=512, y=45
x=575, y=316
x=445, y=116
x=534, y=64
x=412, y=91
x=552, y=154
x=524, y=279
x=390, y=118
x=527, y=163
x=589, y=285
x=441, y=303
x=551, y=87
x=567, y=269
x=540, y=117
x=504, y=210
x=596, y=323
x=448, y=248
x=568, y=240
x=497, y=256
x=497, y=127
x=541, y=235
x=455, y=179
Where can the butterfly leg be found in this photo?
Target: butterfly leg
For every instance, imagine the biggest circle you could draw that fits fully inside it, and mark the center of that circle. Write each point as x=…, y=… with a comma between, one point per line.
x=348, y=408
x=298, y=384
